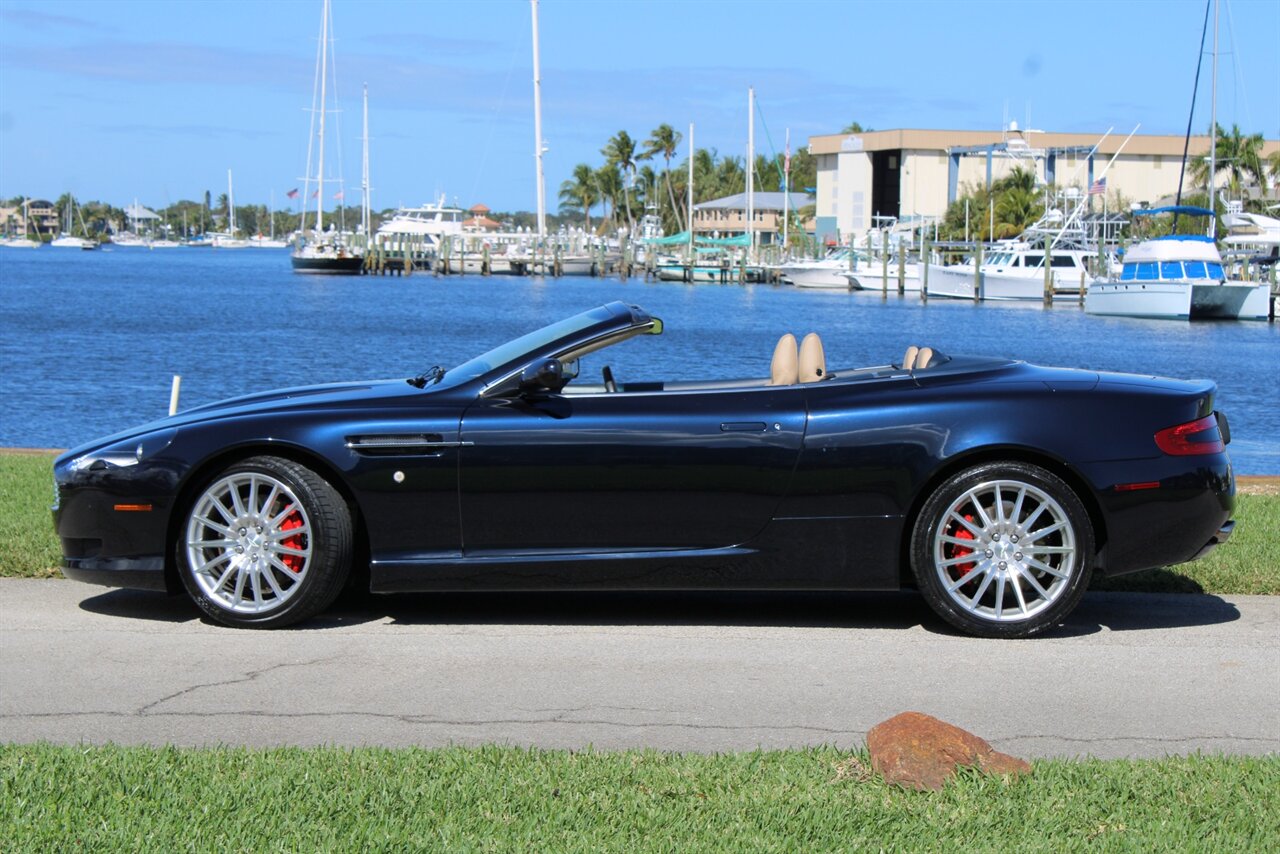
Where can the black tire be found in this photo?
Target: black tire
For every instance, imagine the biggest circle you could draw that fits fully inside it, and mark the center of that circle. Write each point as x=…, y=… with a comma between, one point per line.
x=1037, y=547
x=266, y=543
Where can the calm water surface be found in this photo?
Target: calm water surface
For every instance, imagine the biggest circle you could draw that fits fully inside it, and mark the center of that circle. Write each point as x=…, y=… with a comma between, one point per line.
x=89, y=341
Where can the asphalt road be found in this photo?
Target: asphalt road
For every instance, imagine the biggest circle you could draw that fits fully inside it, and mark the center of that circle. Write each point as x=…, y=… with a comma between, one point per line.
x=1131, y=675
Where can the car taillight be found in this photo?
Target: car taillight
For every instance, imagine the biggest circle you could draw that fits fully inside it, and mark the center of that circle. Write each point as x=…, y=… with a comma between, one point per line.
x=1201, y=436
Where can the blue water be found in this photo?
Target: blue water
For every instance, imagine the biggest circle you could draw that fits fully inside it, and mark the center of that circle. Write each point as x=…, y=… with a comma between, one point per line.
x=89, y=341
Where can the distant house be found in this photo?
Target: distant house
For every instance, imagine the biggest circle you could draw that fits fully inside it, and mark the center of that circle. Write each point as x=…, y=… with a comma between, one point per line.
x=728, y=216
x=479, y=221
x=44, y=216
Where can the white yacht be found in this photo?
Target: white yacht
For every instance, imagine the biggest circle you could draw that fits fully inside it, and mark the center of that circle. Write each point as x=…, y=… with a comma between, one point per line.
x=1011, y=270
x=827, y=272
x=1179, y=277
x=419, y=228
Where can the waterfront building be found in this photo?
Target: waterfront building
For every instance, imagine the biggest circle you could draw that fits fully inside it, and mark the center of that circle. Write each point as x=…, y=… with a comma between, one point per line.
x=480, y=221
x=910, y=174
x=727, y=217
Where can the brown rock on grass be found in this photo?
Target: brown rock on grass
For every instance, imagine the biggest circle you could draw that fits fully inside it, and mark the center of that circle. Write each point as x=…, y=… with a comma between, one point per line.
x=919, y=751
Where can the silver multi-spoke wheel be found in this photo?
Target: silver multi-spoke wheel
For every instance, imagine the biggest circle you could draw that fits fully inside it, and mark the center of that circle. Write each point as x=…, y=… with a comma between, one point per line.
x=249, y=543
x=1005, y=550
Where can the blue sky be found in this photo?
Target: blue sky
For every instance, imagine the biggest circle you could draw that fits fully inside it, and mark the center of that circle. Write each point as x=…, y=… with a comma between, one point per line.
x=156, y=100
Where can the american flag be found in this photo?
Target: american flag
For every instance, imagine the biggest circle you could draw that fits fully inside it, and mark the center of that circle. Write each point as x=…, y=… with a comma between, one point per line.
x=293, y=194
x=1098, y=187
x=337, y=196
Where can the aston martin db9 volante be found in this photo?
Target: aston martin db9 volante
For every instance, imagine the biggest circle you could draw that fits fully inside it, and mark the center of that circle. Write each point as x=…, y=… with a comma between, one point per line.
x=993, y=486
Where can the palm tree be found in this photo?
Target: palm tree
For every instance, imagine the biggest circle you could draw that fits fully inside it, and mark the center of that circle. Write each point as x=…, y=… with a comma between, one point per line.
x=1273, y=163
x=581, y=191
x=609, y=185
x=1016, y=208
x=663, y=140
x=620, y=153
x=854, y=127
x=1238, y=155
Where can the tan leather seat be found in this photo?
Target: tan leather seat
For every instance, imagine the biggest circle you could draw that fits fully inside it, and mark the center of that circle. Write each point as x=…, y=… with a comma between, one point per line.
x=813, y=362
x=909, y=360
x=784, y=369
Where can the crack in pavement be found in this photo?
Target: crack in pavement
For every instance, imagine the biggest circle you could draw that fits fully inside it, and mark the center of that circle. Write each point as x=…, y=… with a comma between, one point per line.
x=248, y=677
x=425, y=720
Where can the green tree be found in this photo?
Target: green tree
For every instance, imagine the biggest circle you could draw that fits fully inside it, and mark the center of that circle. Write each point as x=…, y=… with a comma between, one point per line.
x=855, y=127
x=580, y=192
x=664, y=140
x=609, y=186
x=620, y=153
x=1238, y=155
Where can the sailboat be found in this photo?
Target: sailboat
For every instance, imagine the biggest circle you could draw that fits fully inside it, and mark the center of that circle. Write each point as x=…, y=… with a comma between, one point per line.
x=229, y=239
x=1181, y=276
x=318, y=250
x=67, y=240
x=25, y=241
x=259, y=241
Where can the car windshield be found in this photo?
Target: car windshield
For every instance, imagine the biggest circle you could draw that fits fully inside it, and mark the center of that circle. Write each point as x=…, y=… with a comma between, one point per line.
x=509, y=352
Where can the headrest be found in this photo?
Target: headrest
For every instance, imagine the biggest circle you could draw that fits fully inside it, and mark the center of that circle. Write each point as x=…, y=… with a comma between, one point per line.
x=813, y=362
x=783, y=369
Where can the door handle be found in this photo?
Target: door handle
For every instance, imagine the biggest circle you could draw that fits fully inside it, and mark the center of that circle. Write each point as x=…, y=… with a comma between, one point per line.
x=742, y=427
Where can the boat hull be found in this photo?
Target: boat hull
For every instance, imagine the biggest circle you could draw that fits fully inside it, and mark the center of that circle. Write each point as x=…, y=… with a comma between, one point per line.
x=349, y=265
x=1178, y=300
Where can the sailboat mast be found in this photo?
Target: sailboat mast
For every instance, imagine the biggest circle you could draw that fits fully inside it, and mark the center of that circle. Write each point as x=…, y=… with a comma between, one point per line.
x=324, y=74
x=537, y=127
x=231, y=208
x=365, y=218
x=751, y=156
x=786, y=192
x=1213, y=122
x=689, y=221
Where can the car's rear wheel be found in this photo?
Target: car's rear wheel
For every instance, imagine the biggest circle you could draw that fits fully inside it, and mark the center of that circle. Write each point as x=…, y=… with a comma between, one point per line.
x=266, y=543
x=1002, y=550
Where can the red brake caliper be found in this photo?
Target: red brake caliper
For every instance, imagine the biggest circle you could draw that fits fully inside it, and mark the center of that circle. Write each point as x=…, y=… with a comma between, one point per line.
x=294, y=562
x=960, y=532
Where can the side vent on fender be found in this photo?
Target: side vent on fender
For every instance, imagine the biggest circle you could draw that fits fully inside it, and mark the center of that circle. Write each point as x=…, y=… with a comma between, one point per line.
x=401, y=444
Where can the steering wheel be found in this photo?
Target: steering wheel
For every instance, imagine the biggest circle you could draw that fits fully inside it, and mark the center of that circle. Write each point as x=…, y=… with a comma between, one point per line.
x=609, y=385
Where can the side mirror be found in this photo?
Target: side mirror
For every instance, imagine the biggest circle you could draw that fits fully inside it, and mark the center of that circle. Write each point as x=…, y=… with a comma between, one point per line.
x=546, y=375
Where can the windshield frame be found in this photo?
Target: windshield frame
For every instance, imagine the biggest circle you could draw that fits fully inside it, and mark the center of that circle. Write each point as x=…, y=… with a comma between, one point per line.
x=500, y=362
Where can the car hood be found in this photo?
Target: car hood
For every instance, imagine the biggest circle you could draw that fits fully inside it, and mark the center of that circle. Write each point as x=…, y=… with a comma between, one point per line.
x=332, y=395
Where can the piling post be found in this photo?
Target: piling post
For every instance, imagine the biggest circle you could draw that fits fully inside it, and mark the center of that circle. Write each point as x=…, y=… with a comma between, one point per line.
x=977, y=272
x=902, y=267
x=173, y=394
x=884, y=264
x=924, y=269
x=1083, y=287
x=485, y=268
x=1048, y=275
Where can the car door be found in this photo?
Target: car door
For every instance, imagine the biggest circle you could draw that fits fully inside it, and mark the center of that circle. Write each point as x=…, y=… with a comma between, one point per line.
x=625, y=471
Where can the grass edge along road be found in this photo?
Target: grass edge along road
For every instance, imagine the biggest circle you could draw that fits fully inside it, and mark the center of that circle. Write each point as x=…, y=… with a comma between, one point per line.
x=510, y=798
x=1248, y=565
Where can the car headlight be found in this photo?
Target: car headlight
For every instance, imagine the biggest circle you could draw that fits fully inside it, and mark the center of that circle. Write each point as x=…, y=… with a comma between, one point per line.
x=128, y=452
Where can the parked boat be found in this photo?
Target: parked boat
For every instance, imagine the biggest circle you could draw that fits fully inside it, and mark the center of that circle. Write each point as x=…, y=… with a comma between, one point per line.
x=420, y=228
x=1179, y=277
x=67, y=239
x=1014, y=269
x=827, y=272
x=13, y=241
x=319, y=250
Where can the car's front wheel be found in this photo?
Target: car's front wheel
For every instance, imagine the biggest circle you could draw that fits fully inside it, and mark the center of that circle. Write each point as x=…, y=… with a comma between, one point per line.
x=266, y=543
x=1002, y=550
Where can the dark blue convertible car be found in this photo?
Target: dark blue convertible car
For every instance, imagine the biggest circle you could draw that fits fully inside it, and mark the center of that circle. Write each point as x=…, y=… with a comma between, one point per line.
x=994, y=487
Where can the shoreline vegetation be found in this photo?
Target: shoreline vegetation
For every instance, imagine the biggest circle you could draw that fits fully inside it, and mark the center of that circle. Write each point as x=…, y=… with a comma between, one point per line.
x=1248, y=565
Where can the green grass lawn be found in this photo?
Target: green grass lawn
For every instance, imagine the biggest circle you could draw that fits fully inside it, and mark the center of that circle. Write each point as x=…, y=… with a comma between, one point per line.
x=511, y=799
x=1250, y=563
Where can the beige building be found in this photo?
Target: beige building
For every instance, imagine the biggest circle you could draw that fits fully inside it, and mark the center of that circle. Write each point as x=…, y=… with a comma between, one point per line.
x=728, y=216
x=909, y=174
